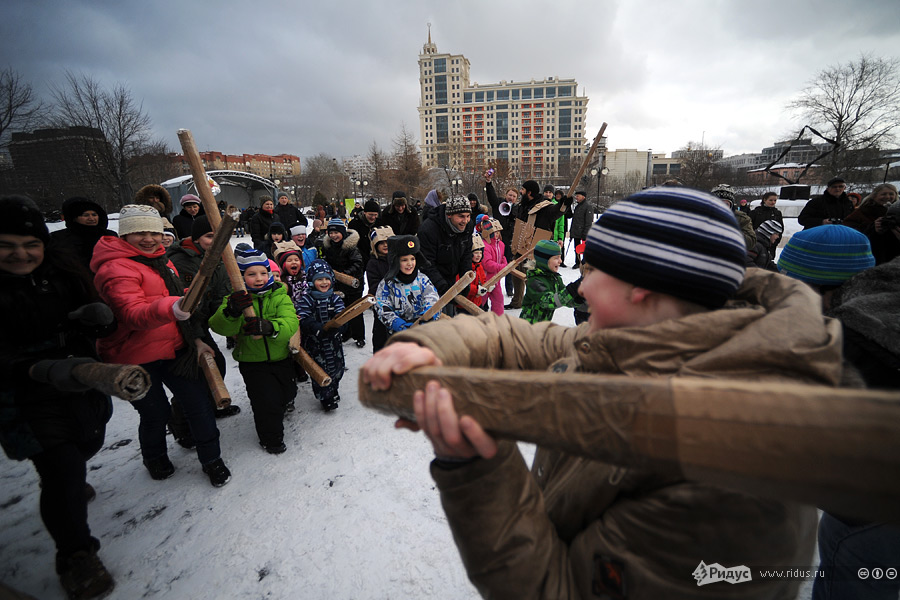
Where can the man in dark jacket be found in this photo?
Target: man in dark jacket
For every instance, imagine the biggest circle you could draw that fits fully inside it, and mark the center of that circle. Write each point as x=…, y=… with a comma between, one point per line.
x=545, y=213
x=828, y=209
x=581, y=223
x=446, y=244
x=287, y=213
x=399, y=216
x=363, y=224
x=511, y=197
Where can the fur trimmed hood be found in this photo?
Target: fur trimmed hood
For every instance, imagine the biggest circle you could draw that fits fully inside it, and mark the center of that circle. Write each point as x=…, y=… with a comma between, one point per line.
x=349, y=242
x=150, y=194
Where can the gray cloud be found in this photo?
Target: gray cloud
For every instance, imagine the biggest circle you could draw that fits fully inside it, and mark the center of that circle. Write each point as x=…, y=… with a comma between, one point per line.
x=334, y=76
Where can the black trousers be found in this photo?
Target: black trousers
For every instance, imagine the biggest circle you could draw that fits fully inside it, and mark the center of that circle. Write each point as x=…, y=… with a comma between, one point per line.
x=178, y=423
x=270, y=386
x=379, y=335
x=63, y=471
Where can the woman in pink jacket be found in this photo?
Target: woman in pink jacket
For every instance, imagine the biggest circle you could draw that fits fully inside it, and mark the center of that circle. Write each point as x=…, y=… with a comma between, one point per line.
x=142, y=287
x=494, y=258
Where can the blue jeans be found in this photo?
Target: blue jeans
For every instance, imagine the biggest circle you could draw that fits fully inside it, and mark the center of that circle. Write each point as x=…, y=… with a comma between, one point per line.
x=846, y=548
x=155, y=412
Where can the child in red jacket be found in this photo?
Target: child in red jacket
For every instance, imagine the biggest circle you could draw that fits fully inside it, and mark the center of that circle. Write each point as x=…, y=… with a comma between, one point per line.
x=480, y=277
x=494, y=258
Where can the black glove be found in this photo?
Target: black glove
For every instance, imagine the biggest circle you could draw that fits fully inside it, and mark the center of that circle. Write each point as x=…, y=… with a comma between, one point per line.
x=58, y=373
x=257, y=326
x=237, y=302
x=95, y=314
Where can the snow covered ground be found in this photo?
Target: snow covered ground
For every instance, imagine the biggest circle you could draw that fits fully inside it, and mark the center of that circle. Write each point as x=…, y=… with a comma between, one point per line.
x=349, y=511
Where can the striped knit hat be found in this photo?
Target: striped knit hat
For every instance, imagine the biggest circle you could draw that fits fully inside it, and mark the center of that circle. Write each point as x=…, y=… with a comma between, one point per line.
x=543, y=251
x=251, y=258
x=826, y=255
x=337, y=224
x=770, y=227
x=671, y=240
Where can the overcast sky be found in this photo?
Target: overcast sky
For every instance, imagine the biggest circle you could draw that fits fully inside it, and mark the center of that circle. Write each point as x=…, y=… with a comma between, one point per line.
x=334, y=76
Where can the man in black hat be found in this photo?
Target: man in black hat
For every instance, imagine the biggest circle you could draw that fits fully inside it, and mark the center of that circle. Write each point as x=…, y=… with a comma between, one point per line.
x=363, y=223
x=831, y=208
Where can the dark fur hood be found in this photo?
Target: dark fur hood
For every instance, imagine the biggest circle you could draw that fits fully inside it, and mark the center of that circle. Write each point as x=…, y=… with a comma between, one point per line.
x=148, y=194
x=350, y=241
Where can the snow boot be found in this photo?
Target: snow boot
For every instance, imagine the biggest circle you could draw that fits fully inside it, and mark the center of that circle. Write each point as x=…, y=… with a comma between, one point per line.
x=83, y=575
x=218, y=473
x=274, y=448
x=160, y=468
x=228, y=411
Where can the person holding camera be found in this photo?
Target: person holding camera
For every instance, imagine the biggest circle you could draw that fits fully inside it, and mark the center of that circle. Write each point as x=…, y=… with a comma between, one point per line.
x=831, y=208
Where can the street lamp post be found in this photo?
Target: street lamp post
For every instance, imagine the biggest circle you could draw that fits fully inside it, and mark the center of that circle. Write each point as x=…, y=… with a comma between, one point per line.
x=457, y=182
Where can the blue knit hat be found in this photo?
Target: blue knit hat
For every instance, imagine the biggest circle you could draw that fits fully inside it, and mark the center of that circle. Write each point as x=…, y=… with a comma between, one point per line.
x=251, y=258
x=826, y=255
x=543, y=251
x=671, y=240
x=317, y=270
x=337, y=224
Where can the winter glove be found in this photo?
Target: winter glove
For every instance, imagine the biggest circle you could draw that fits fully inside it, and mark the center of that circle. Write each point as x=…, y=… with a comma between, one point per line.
x=237, y=302
x=399, y=324
x=58, y=373
x=482, y=291
x=257, y=326
x=180, y=315
x=95, y=314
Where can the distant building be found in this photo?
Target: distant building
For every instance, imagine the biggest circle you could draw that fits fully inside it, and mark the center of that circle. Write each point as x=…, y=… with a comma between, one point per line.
x=280, y=166
x=50, y=165
x=536, y=126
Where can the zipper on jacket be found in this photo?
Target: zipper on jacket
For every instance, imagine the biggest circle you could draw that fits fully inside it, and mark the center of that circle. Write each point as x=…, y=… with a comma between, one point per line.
x=265, y=343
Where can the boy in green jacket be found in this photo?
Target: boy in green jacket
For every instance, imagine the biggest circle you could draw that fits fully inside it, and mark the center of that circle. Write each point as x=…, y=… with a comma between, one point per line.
x=261, y=347
x=544, y=289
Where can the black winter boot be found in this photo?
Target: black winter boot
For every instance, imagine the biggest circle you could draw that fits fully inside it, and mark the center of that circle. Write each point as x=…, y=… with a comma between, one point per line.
x=218, y=473
x=83, y=575
x=160, y=468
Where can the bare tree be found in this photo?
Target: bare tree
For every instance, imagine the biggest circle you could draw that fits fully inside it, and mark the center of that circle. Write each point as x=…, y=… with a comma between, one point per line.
x=698, y=165
x=855, y=105
x=377, y=177
x=408, y=163
x=322, y=176
x=84, y=102
x=20, y=109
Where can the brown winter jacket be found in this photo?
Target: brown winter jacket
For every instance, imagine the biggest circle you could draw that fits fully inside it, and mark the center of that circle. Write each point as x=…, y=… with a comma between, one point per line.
x=576, y=528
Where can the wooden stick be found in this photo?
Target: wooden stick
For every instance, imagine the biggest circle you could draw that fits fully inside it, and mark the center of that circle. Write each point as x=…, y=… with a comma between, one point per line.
x=212, y=211
x=838, y=449
x=128, y=382
x=584, y=165
x=214, y=380
x=468, y=306
x=347, y=279
x=312, y=368
x=461, y=284
x=211, y=258
x=351, y=312
x=509, y=268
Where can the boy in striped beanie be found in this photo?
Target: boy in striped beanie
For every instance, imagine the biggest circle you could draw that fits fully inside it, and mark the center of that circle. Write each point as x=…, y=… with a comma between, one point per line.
x=660, y=266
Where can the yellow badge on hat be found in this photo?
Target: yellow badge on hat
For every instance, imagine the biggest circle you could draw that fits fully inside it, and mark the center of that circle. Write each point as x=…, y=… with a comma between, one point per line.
x=410, y=244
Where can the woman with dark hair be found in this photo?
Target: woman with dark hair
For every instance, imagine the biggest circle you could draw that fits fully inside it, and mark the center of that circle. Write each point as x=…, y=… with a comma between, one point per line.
x=46, y=415
x=86, y=222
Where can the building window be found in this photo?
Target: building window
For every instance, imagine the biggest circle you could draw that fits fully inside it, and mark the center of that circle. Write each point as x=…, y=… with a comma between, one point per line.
x=467, y=97
x=490, y=96
x=515, y=94
x=526, y=93
x=440, y=65
x=565, y=122
x=550, y=92
x=564, y=91
x=443, y=135
x=479, y=96
x=538, y=92
x=440, y=87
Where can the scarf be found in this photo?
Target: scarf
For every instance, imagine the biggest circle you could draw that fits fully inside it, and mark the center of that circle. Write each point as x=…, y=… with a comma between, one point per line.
x=187, y=365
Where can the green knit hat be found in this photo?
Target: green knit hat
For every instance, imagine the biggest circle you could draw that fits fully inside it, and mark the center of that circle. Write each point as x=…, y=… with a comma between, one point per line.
x=543, y=251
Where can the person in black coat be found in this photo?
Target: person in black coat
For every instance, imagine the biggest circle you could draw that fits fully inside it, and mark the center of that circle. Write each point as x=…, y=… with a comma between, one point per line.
x=376, y=269
x=86, y=222
x=288, y=214
x=831, y=208
x=511, y=197
x=582, y=219
x=46, y=415
x=340, y=249
x=399, y=216
x=261, y=222
x=191, y=208
x=363, y=224
x=446, y=245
